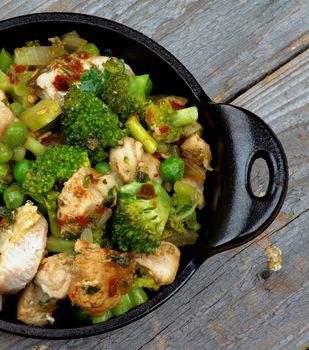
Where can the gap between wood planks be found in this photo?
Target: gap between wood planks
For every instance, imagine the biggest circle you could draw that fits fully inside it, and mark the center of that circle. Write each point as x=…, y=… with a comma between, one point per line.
x=303, y=38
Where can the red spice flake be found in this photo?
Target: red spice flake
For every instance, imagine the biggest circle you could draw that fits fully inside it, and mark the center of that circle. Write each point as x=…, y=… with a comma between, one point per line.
x=164, y=129
x=147, y=192
x=79, y=192
x=176, y=105
x=62, y=83
x=100, y=209
x=155, y=175
x=61, y=222
x=82, y=220
x=113, y=287
x=4, y=223
x=76, y=67
x=82, y=54
x=19, y=68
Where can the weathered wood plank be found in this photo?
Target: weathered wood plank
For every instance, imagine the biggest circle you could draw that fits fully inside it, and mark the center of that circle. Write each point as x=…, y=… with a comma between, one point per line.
x=228, y=45
x=227, y=304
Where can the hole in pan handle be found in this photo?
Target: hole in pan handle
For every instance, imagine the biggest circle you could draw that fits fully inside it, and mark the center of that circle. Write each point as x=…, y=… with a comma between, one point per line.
x=239, y=212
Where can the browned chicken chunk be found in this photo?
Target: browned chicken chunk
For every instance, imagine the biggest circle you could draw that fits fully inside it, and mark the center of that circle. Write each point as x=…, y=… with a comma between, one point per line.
x=35, y=307
x=86, y=198
x=99, y=278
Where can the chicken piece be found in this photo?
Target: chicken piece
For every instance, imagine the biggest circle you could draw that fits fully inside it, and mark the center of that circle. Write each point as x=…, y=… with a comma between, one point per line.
x=196, y=149
x=22, y=246
x=198, y=186
x=68, y=66
x=86, y=198
x=2, y=95
x=35, y=307
x=150, y=166
x=54, y=275
x=125, y=158
x=6, y=118
x=99, y=278
x=193, y=128
x=162, y=266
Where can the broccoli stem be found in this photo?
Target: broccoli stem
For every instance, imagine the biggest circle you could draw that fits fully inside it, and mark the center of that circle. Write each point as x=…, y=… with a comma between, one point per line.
x=59, y=245
x=51, y=206
x=185, y=116
x=141, y=135
x=135, y=297
x=34, y=146
x=41, y=114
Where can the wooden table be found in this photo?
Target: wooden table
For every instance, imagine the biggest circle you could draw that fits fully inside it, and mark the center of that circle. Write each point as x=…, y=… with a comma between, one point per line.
x=254, y=54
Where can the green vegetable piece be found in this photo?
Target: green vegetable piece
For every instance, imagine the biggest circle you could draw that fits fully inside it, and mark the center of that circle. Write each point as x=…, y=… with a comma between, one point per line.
x=17, y=108
x=92, y=81
x=34, y=146
x=20, y=170
x=72, y=41
x=141, y=135
x=37, y=55
x=13, y=196
x=91, y=48
x=186, y=194
x=140, y=86
x=140, y=217
x=41, y=114
x=6, y=60
x=58, y=162
x=105, y=317
x=6, y=153
x=4, y=168
x=172, y=169
x=81, y=315
x=19, y=153
x=185, y=116
x=124, y=305
x=137, y=296
x=88, y=122
x=59, y=245
x=15, y=134
x=103, y=168
x=146, y=282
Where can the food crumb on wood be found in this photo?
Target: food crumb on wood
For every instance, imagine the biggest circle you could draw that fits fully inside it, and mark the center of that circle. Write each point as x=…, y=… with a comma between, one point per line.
x=274, y=257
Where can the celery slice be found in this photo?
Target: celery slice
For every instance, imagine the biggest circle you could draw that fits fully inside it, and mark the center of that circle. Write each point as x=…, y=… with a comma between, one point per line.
x=37, y=55
x=41, y=114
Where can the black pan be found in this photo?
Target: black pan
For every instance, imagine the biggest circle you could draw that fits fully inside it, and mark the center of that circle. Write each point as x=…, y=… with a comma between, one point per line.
x=233, y=215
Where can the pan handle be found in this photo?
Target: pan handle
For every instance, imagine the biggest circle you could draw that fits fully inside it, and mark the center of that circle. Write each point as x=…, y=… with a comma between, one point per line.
x=245, y=214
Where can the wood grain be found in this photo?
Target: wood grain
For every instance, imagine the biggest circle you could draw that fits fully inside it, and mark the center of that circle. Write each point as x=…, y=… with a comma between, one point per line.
x=227, y=45
x=228, y=304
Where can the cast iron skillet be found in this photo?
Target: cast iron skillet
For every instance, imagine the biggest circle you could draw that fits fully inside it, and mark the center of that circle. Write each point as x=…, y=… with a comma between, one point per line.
x=233, y=215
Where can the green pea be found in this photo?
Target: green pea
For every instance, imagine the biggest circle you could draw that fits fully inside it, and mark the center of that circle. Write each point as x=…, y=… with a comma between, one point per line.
x=172, y=169
x=6, y=153
x=15, y=134
x=103, y=168
x=4, y=168
x=19, y=153
x=13, y=197
x=21, y=169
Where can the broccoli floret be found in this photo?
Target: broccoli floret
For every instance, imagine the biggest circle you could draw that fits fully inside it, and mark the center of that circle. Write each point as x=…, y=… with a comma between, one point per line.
x=182, y=225
x=124, y=94
x=57, y=163
x=87, y=122
x=146, y=282
x=140, y=217
x=166, y=123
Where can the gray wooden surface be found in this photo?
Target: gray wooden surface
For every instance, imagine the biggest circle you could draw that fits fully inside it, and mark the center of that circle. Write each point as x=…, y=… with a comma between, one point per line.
x=255, y=51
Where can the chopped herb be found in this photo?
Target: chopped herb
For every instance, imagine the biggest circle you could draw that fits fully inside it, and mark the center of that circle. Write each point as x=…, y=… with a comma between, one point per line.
x=91, y=289
x=123, y=260
x=7, y=214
